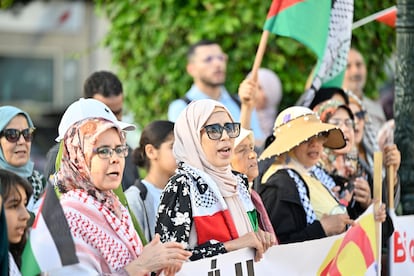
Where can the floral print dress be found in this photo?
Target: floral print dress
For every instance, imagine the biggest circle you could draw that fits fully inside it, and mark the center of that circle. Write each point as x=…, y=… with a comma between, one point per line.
x=191, y=207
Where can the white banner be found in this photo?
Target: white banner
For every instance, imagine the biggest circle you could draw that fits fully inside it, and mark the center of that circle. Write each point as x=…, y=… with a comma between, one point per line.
x=351, y=253
x=402, y=245
x=287, y=259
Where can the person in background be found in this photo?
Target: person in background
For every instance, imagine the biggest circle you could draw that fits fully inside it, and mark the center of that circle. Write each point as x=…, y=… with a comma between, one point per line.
x=347, y=164
x=206, y=64
x=93, y=159
x=103, y=86
x=325, y=94
x=4, y=242
x=244, y=161
x=15, y=192
x=342, y=163
x=299, y=205
x=354, y=80
x=268, y=97
x=391, y=154
x=16, y=135
x=204, y=205
x=154, y=153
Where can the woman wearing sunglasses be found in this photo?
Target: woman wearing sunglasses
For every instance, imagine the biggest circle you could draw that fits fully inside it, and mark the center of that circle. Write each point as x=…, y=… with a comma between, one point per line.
x=205, y=205
x=16, y=135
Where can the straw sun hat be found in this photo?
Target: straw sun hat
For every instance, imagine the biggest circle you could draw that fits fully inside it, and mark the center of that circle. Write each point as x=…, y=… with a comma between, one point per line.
x=298, y=124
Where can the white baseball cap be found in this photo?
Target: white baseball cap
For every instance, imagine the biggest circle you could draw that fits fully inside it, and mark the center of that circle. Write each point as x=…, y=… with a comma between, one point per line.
x=88, y=108
x=243, y=134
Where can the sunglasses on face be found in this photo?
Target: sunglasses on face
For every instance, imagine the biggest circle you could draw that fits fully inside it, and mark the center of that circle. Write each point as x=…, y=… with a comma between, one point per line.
x=13, y=135
x=215, y=131
x=106, y=152
x=360, y=114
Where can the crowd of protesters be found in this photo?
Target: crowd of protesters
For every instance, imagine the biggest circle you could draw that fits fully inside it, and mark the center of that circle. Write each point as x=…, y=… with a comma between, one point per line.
x=227, y=172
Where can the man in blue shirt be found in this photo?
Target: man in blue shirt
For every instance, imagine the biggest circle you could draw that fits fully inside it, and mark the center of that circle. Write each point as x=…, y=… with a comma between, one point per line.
x=206, y=63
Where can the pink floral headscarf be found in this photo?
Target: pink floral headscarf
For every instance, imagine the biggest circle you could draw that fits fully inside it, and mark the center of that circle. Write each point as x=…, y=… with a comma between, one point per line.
x=74, y=172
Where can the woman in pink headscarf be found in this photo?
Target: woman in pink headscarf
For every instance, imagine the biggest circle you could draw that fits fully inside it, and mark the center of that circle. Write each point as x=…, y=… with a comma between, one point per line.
x=205, y=205
x=106, y=243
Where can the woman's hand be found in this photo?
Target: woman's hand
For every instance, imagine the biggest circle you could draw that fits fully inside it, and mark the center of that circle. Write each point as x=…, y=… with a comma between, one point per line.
x=335, y=224
x=247, y=240
x=267, y=239
x=157, y=256
x=392, y=157
x=247, y=93
x=345, y=195
x=362, y=192
x=380, y=215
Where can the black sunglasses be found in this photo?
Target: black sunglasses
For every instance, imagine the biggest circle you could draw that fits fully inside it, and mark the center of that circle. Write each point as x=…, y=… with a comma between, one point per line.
x=215, y=131
x=360, y=114
x=13, y=135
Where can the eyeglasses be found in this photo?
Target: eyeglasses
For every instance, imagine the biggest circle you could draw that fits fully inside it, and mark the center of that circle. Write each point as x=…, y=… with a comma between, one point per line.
x=349, y=123
x=215, y=131
x=13, y=135
x=106, y=152
x=209, y=59
x=360, y=114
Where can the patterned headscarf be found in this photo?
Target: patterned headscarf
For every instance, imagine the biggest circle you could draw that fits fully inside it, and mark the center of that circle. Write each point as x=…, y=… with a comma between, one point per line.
x=187, y=148
x=74, y=172
x=328, y=109
x=7, y=113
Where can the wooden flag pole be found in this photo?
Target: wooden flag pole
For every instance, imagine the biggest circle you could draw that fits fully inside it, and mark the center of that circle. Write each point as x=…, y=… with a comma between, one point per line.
x=245, y=114
x=377, y=200
x=259, y=54
x=390, y=182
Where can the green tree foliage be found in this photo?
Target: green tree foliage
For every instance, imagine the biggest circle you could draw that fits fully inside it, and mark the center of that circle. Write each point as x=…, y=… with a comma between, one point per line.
x=149, y=39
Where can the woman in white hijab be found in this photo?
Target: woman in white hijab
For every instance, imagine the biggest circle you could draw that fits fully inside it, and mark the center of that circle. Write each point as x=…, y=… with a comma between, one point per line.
x=205, y=205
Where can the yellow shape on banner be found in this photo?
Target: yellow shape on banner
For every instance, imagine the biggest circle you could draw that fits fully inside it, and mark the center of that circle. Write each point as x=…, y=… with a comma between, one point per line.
x=355, y=252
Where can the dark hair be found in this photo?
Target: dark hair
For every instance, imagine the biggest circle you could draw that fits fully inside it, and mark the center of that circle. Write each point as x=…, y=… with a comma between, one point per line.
x=193, y=47
x=8, y=181
x=102, y=82
x=326, y=93
x=155, y=133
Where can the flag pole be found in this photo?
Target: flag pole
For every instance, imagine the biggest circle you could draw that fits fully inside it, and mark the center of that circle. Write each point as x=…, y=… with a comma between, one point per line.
x=259, y=54
x=377, y=202
x=391, y=181
x=371, y=17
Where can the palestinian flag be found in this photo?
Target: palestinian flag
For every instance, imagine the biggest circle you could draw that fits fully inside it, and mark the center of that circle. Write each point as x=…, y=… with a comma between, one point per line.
x=387, y=16
x=324, y=26
x=50, y=244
